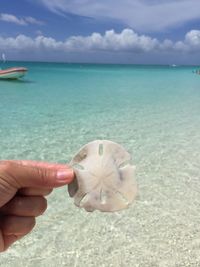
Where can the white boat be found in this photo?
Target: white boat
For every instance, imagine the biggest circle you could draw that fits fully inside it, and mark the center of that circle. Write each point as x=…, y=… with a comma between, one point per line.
x=13, y=73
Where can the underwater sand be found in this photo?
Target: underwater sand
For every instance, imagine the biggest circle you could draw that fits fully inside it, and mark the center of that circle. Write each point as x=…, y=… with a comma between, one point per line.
x=154, y=112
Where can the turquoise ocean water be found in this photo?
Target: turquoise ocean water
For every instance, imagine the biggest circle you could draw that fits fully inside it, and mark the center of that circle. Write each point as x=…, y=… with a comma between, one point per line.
x=154, y=112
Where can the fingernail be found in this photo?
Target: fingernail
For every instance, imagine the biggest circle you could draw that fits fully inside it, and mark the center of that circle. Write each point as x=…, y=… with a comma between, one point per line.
x=65, y=175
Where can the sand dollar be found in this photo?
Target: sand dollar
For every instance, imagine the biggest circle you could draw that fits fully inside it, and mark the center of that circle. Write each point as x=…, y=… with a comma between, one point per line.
x=104, y=177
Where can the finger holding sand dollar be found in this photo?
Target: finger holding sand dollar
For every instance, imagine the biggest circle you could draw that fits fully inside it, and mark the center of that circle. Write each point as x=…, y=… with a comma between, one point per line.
x=23, y=185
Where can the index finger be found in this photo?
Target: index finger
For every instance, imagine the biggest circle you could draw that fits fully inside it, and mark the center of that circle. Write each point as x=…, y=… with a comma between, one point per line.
x=36, y=174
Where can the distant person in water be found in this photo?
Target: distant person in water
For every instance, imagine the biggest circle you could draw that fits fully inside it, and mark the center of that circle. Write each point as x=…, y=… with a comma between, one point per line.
x=196, y=71
x=23, y=187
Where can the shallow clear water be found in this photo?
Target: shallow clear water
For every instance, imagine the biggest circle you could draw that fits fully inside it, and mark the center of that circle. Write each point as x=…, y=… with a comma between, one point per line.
x=154, y=112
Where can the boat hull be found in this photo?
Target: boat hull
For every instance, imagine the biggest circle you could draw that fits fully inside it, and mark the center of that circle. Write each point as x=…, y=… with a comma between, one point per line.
x=12, y=73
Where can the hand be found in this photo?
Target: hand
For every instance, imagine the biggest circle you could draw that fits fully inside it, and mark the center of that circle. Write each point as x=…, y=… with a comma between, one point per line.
x=23, y=187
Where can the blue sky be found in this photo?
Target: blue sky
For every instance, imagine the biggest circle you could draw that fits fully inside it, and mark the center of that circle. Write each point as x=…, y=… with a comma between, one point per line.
x=110, y=31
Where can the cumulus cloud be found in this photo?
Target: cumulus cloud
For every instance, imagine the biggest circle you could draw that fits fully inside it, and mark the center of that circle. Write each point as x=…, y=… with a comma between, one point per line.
x=142, y=15
x=125, y=41
x=20, y=21
x=193, y=38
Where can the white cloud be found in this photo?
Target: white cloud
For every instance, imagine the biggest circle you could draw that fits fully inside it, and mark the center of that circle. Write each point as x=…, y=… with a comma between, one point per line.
x=32, y=20
x=38, y=32
x=13, y=19
x=142, y=15
x=191, y=43
x=193, y=38
x=126, y=41
x=20, y=21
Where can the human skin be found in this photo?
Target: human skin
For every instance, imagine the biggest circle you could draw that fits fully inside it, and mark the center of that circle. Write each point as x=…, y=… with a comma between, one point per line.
x=23, y=187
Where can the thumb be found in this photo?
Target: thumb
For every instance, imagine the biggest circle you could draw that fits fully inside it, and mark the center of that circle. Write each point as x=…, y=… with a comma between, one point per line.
x=21, y=174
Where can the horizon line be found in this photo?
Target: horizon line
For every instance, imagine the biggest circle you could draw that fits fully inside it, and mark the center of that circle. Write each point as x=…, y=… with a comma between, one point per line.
x=100, y=63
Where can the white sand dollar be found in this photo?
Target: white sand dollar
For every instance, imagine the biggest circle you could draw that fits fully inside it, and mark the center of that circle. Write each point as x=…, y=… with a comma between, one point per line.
x=104, y=177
